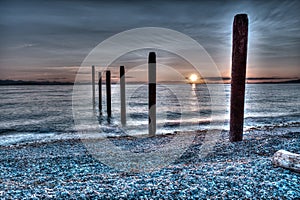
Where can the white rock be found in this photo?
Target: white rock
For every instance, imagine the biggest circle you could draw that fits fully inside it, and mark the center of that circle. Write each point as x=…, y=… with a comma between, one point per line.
x=287, y=160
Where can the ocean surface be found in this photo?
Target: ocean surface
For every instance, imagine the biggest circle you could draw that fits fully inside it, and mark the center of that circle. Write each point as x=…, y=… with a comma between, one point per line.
x=30, y=113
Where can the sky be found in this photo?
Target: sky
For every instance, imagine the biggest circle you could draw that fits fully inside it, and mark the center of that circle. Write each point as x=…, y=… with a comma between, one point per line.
x=48, y=40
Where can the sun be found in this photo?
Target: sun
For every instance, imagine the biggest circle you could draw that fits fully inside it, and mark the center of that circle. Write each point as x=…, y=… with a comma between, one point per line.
x=193, y=78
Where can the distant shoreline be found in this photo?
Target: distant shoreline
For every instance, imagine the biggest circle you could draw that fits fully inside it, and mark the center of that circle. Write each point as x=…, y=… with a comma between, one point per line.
x=21, y=82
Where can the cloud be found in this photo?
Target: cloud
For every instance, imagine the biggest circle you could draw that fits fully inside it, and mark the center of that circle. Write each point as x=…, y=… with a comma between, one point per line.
x=62, y=33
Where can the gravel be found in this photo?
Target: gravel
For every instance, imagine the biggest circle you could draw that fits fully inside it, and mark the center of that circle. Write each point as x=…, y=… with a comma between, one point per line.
x=64, y=169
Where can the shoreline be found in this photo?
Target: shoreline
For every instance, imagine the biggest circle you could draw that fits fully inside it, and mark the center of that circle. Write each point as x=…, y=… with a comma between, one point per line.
x=66, y=169
x=36, y=138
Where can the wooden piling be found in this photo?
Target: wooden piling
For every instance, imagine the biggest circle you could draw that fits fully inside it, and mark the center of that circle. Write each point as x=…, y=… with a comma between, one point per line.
x=93, y=86
x=152, y=93
x=238, y=76
x=122, y=94
x=108, y=94
x=100, y=92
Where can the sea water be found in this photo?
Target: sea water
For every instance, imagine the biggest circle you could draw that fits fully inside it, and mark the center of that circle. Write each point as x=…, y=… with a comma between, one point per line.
x=38, y=112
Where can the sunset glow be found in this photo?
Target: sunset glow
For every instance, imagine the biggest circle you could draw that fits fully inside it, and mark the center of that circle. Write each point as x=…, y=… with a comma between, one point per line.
x=193, y=78
x=51, y=44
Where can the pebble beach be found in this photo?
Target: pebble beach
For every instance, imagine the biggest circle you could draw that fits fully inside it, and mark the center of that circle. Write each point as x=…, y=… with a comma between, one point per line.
x=64, y=169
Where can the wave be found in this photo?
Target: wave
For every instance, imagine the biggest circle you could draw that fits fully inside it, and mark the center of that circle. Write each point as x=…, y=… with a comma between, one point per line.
x=28, y=138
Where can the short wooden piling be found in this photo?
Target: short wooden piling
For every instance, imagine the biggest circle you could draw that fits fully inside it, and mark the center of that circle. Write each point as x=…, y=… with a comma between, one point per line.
x=122, y=94
x=100, y=92
x=238, y=76
x=108, y=94
x=152, y=93
x=93, y=85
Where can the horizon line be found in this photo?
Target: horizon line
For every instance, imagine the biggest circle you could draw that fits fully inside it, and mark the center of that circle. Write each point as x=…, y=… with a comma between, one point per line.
x=223, y=80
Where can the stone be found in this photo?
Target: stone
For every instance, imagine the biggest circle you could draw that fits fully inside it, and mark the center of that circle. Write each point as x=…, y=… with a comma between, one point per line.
x=287, y=160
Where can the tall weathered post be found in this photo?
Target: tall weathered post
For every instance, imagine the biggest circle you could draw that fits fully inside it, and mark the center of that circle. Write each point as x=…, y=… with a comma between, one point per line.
x=152, y=93
x=108, y=94
x=123, y=97
x=100, y=92
x=238, y=76
x=93, y=86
